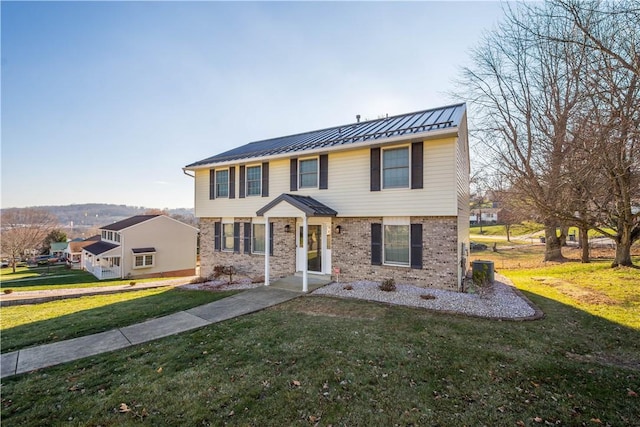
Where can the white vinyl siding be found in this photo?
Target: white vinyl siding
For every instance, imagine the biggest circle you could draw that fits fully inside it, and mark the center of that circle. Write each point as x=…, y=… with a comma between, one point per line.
x=349, y=190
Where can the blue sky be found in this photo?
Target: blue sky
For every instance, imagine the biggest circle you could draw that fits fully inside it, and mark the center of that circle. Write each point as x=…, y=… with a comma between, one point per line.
x=105, y=102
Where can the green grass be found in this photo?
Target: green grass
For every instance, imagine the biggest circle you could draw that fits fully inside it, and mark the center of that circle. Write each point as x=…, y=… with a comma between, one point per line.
x=325, y=361
x=28, y=325
x=57, y=277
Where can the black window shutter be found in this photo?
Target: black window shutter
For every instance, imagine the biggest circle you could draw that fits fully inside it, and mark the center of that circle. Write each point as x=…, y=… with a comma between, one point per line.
x=236, y=237
x=241, y=187
x=232, y=182
x=375, y=169
x=212, y=184
x=376, y=244
x=417, y=167
x=416, y=246
x=247, y=237
x=216, y=235
x=324, y=171
x=271, y=228
x=293, y=171
x=265, y=179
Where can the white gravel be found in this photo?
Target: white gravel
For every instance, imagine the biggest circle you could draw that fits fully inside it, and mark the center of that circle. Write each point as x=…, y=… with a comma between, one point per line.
x=500, y=301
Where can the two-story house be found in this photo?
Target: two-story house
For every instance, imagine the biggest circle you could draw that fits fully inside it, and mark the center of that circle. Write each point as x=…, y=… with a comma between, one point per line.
x=143, y=246
x=377, y=199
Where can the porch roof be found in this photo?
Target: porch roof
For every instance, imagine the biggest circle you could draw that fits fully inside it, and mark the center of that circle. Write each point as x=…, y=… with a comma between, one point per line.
x=308, y=205
x=99, y=248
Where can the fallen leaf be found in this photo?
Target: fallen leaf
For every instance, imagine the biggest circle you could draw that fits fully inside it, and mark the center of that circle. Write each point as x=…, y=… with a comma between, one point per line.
x=313, y=418
x=631, y=393
x=159, y=370
x=231, y=414
x=520, y=423
x=596, y=420
x=124, y=408
x=537, y=419
x=295, y=383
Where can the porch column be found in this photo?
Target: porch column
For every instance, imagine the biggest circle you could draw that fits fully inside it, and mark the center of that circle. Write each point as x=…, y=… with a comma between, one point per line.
x=305, y=249
x=266, y=251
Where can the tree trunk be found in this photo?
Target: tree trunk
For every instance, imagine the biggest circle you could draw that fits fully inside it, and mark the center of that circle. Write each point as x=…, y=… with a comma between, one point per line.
x=507, y=228
x=584, y=243
x=623, y=248
x=552, y=250
x=564, y=231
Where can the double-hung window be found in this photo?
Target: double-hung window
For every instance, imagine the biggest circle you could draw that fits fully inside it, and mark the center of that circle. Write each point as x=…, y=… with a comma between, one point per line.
x=227, y=236
x=308, y=170
x=142, y=261
x=257, y=238
x=395, y=167
x=254, y=180
x=222, y=183
x=396, y=244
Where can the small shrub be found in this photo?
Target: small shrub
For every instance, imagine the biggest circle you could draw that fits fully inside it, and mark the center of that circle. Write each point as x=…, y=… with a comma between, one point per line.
x=132, y=283
x=258, y=279
x=427, y=296
x=348, y=288
x=218, y=271
x=8, y=291
x=388, y=285
x=197, y=280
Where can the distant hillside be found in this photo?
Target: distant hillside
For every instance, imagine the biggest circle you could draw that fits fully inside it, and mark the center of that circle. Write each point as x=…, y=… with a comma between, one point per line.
x=92, y=215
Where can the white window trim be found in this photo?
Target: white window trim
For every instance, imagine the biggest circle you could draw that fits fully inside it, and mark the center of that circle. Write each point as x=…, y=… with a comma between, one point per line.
x=302, y=159
x=382, y=187
x=226, y=221
x=253, y=251
x=228, y=180
x=246, y=180
x=144, y=260
x=396, y=220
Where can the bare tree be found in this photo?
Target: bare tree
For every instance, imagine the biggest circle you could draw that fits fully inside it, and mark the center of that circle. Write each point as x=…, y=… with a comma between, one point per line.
x=24, y=229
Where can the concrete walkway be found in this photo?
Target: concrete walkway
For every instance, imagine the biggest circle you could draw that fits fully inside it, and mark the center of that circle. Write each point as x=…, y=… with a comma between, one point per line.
x=249, y=301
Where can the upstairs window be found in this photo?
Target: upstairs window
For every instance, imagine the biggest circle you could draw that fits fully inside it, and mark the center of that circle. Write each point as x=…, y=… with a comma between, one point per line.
x=308, y=173
x=222, y=183
x=395, y=168
x=254, y=181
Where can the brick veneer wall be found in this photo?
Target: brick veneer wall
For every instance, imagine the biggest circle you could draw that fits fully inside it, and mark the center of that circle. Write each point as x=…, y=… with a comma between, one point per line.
x=351, y=253
x=282, y=262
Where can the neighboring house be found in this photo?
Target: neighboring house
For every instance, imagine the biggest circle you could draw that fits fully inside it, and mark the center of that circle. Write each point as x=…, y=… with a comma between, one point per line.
x=489, y=216
x=57, y=249
x=73, y=251
x=386, y=198
x=143, y=246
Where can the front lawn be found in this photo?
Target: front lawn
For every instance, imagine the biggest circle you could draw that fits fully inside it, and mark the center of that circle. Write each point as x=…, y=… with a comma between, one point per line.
x=28, y=325
x=326, y=361
x=57, y=277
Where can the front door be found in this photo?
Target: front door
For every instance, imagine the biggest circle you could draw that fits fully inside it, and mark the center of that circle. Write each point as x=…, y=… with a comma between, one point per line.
x=314, y=248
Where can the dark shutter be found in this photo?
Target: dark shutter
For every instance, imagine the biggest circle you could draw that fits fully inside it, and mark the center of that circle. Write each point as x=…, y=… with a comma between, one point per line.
x=375, y=169
x=324, y=171
x=241, y=188
x=216, y=235
x=236, y=237
x=212, y=184
x=293, y=175
x=232, y=182
x=247, y=237
x=376, y=244
x=271, y=228
x=416, y=246
x=265, y=179
x=416, y=164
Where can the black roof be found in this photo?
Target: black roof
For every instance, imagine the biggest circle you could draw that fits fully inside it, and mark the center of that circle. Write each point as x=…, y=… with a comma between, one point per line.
x=371, y=130
x=126, y=223
x=99, y=247
x=143, y=250
x=306, y=204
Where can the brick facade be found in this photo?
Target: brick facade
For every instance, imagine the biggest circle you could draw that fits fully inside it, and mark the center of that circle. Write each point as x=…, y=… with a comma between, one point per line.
x=351, y=252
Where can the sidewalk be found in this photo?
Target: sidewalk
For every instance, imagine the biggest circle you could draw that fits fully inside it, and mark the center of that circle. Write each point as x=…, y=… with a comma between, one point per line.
x=34, y=297
x=43, y=356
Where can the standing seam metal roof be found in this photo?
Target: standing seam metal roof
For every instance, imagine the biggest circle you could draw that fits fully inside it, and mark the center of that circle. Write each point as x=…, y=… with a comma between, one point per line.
x=380, y=129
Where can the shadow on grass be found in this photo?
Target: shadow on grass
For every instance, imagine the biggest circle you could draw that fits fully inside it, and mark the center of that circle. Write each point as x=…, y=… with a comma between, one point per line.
x=100, y=319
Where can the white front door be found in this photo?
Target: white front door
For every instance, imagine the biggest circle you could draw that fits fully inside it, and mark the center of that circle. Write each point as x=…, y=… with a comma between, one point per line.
x=318, y=255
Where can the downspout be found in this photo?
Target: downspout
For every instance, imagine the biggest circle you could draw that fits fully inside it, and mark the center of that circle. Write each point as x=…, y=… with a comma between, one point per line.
x=266, y=250
x=305, y=249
